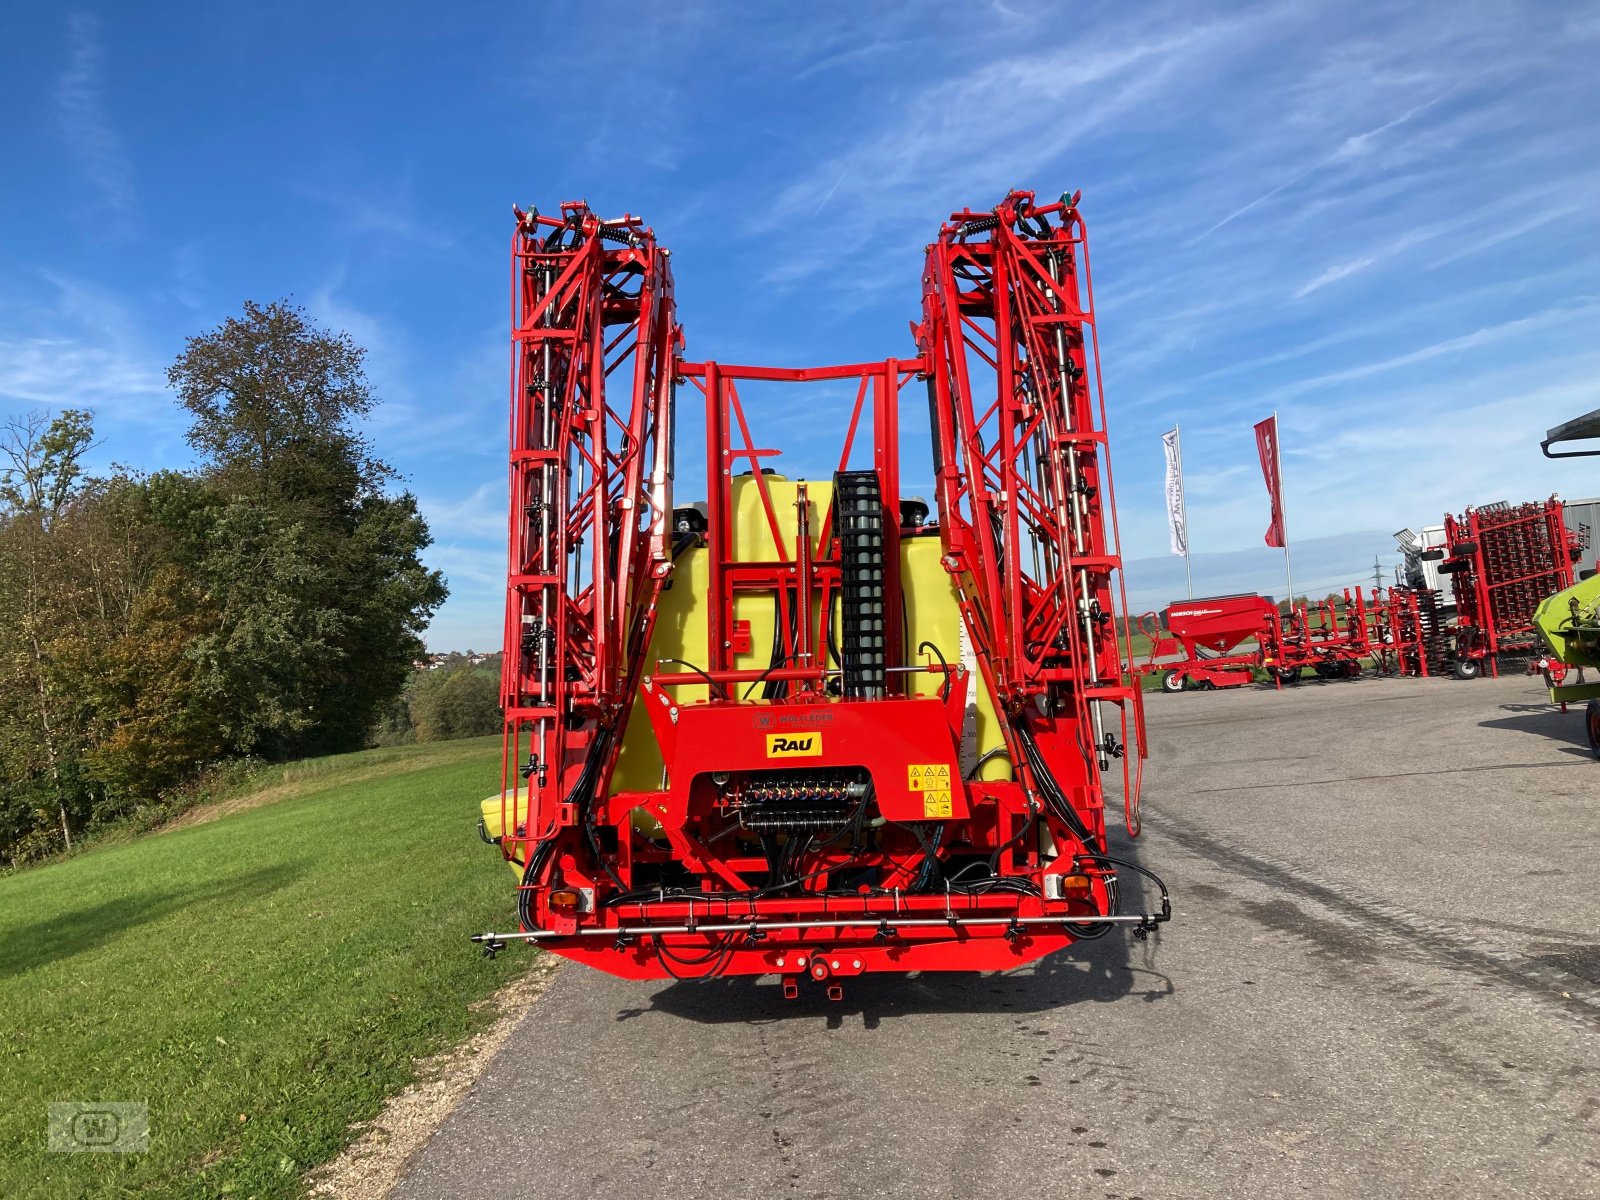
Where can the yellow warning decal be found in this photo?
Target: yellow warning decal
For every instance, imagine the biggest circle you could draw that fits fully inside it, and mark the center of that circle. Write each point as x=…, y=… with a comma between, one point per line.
x=928, y=777
x=936, y=803
x=794, y=745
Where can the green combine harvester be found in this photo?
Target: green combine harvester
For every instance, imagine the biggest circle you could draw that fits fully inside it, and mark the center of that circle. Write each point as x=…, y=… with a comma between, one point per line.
x=1569, y=622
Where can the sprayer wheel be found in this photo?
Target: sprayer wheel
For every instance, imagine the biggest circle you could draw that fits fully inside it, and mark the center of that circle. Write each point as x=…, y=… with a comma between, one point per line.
x=1172, y=681
x=1466, y=668
x=1591, y=723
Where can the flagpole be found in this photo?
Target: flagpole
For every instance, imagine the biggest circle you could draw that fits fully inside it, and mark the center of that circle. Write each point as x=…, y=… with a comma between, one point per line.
x=1183, y=509
x=1283, y=509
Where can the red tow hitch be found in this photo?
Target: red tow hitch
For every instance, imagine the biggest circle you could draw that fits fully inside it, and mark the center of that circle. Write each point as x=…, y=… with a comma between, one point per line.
x=821, y=966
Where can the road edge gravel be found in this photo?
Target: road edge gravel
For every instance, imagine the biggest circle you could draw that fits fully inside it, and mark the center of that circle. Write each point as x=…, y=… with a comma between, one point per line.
x=372, y=1164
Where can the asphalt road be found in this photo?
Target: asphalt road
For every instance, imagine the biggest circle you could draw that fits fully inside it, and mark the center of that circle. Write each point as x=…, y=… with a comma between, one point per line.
x=1383, y=980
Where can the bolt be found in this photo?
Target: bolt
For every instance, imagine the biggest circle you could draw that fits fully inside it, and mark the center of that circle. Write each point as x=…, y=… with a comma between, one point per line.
x=780, y=960
x=856, y=965
x=836, y=964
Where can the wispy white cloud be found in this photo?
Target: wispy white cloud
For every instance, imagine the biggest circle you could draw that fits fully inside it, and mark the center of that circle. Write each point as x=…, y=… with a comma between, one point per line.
x=1484, y=336
x=1352, y=147
x=387, y=213
x=967, y=137
x=478, y=516
x=75, y=344
x=59, y=372
x=845, y=57
x=1335, y=273
x=1508, y=233
x=80, y=109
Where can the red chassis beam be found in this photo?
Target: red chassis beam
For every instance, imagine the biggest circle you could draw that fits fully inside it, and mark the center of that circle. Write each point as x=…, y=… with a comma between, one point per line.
x=823, y=827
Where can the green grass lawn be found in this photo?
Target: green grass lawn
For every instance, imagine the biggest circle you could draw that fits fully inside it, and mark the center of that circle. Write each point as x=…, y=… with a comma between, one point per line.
x=262, y=980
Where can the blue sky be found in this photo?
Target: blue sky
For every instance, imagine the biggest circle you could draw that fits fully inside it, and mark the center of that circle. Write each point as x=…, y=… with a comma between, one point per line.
x=1380, y=220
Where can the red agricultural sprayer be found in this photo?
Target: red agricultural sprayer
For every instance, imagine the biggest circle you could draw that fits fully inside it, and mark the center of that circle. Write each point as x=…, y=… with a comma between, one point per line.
x=796, y=728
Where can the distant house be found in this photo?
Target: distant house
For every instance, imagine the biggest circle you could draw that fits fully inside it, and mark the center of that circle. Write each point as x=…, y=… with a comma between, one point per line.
x=434, y=661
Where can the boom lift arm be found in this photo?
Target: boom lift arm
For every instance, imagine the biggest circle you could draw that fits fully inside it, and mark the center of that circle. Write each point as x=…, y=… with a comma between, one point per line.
x=594, y=337
x=1024, y=497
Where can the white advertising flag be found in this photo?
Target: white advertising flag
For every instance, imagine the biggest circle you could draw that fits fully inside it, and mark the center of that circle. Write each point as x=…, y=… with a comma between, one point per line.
x=1175, y=513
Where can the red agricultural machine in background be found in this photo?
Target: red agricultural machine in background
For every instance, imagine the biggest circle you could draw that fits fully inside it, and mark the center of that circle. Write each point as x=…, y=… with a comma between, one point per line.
x=1211, y=634
x=1503, y=560
x=794, y=729
x=1225, y=640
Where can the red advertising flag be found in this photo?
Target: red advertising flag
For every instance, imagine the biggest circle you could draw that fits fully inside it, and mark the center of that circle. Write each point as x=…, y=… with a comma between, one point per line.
x=1267, y=446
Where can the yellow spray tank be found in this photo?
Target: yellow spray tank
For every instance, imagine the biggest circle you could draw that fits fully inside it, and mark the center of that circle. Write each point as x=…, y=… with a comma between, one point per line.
x=932, y=615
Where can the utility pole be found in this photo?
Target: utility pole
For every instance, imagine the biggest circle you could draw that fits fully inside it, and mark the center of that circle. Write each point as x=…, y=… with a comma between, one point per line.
x=1377, y=575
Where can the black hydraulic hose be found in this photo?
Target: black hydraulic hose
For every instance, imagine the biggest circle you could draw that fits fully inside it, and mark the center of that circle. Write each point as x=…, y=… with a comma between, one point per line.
x=1053, y=796
x=778, y=689
x=998, y=529
x=692, y=960
x=583, y=797
x=721, y=953
x=1166, y=900
x=772, y=689
x=1166, y=897
x=681, y=543
x=710, y=682
x=997, y=752
x=933, y=424
x=905, y=628
x=930, y=861
x=787, y=658
x=944, y=691
x=530, y=878
x=854, y=824
x=994, y=859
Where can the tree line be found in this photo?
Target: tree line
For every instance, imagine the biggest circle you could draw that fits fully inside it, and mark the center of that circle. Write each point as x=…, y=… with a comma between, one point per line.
x=269, y=602
x=457, y=698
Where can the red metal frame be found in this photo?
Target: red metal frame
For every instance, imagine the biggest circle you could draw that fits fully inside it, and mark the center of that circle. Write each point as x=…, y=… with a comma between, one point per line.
x=1504, y=559
x=676, y=881
x=1027, y=473
x=594, y=334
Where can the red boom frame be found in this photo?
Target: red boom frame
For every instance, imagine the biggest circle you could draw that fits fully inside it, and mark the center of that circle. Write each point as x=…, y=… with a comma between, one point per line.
x=677, y=880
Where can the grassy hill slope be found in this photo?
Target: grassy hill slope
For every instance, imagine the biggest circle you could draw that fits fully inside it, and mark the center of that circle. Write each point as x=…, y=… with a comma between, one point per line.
x=262, y=979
